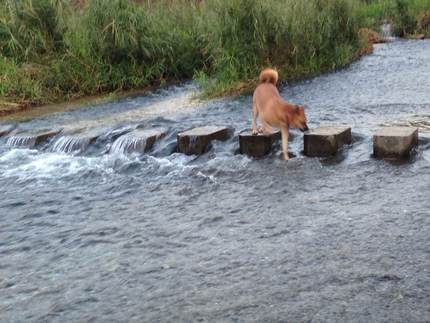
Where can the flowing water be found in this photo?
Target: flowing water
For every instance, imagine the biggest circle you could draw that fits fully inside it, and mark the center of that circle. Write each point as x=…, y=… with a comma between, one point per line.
x=99, y=235
x=24, y=141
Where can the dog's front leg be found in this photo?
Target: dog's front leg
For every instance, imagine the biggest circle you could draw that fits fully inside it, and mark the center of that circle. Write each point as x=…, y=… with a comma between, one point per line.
x=284, y=132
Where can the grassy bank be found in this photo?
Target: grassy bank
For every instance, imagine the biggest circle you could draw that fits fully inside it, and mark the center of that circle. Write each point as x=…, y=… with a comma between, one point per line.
x=408, y=17
x=56, y=50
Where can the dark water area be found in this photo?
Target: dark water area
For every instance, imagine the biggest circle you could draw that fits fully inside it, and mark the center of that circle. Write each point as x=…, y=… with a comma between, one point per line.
x=94, y=235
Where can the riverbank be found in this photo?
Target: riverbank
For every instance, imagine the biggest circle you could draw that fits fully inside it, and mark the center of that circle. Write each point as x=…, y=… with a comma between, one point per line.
x=56, y=51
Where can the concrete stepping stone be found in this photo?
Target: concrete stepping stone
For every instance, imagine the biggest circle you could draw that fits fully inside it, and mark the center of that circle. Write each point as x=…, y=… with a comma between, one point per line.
x=257, y=145
x=394, y=142
x=6, y=129
x=196, y=141
x=139, y=140
x=31, y=139
x=326, y=141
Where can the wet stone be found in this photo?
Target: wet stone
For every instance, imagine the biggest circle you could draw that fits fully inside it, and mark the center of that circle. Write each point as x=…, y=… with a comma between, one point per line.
x=139, y=140
x=257, y=145
x=6, y=129
x=394, y=142
x=31, y=139
x=197, y=141
x=326, y=141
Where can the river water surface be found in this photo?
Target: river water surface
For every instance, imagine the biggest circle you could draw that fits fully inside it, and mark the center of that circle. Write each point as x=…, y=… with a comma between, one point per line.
x=98, y=235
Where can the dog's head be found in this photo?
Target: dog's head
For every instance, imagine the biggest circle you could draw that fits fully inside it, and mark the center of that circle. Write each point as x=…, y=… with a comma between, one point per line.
x=299, y=120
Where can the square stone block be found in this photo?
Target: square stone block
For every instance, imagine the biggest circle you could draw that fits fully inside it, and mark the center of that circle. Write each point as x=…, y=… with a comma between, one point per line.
x=257, y=145
x=394, y=142
x=196, y=141
x=326, y=141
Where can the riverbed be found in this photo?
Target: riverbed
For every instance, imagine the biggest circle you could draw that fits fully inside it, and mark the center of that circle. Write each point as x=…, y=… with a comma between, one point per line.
x=163, y=237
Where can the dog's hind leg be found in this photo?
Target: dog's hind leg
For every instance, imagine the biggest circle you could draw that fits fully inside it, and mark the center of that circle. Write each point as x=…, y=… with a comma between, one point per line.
x=254, y=118
x=284, y=132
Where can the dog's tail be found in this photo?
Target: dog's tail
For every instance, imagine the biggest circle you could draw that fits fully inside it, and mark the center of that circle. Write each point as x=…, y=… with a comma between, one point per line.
x=269, y=75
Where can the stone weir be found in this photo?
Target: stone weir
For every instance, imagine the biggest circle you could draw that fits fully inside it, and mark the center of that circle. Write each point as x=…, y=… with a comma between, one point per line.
x=77, y=140
x=139, y=141
x=197, y=141
x=31, y=139
x=257, y=145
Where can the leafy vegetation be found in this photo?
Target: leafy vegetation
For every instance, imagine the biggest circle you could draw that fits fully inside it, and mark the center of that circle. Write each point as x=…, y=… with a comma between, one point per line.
x=53, y=50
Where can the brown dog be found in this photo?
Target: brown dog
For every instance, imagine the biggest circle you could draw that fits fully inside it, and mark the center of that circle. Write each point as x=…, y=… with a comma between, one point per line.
x=275, y=111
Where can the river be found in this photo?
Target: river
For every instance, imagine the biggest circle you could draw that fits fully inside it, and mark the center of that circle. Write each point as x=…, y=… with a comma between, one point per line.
x=96, y=236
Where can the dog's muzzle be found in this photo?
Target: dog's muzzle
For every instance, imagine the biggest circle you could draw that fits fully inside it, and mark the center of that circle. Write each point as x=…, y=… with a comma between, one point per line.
x=305, y=128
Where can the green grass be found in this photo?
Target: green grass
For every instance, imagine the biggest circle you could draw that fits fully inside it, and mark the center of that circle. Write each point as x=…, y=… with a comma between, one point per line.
x=407, y=16
x=52, y=51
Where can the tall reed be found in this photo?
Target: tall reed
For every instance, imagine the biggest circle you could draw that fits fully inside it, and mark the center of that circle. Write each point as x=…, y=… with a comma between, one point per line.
x=54, y=50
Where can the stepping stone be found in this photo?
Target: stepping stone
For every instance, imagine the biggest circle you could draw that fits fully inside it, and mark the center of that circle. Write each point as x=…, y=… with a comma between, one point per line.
x=197, y=141
x=6, y=129
x=257, y=145
x=139, y=140
x=394, y=142
x=77, y=140
x=30, y=139
x=326, y=141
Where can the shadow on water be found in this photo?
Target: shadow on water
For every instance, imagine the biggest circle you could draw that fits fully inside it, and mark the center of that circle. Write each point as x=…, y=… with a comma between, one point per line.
x=92, y=232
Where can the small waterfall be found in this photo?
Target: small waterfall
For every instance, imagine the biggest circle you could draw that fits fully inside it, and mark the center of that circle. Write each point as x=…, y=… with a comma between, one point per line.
x=137, y=141
x=71, y=144
x=77, y=140
x=31, y=139
x=21, y=141
x=128, y=143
